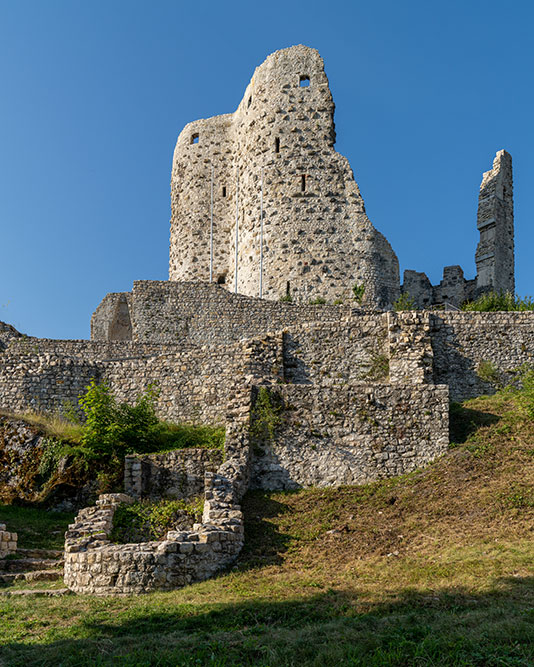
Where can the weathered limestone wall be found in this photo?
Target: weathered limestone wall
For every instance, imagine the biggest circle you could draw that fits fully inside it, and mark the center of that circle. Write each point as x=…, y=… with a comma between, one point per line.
x=178, y=312
x=325, y=353
x=177, y=474
x=7, y=333
x=318, y=240
x=461, y=342
x=194, y=381
x=495, y=221
x=111, y=320
x=410, y=348
x=328, y=436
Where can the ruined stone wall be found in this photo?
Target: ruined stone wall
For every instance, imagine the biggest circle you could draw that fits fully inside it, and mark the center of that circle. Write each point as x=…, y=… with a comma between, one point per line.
x=111, y=320
x=177, y=474
x=318, y=240
x=353, y=350
x=495, y=222
x=194, y=381
x=494, y=255
x=202, y=313
x=463, y=342
x=328, y=436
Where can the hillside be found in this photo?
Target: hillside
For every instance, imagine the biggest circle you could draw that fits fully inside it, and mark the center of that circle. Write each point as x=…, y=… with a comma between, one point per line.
x=434, y=568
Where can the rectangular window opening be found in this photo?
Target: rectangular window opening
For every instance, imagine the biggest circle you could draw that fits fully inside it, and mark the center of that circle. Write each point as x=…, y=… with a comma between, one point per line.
x=277, y=145
x=303, y=183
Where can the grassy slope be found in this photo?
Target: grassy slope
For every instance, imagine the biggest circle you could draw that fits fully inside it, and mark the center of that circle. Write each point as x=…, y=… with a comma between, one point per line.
x=434, y=568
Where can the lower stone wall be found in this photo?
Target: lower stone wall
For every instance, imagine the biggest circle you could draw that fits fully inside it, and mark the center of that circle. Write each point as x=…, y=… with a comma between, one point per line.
x=177, y=474
x=94, y=565
x=329, y=436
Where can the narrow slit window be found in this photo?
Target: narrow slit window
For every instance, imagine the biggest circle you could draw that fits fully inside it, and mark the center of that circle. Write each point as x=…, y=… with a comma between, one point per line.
x=249, y=101
x=224, y=191
x=277, y=145
x=195, y=138
x=303, y=183
x=304, y=81
x=287, y=288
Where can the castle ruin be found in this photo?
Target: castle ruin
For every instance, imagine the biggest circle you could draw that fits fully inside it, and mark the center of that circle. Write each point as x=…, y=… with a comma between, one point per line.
x=266, y=220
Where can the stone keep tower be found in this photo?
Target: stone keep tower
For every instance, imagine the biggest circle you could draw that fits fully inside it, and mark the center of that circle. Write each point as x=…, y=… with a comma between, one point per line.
x=495, y=251
x=317, y=238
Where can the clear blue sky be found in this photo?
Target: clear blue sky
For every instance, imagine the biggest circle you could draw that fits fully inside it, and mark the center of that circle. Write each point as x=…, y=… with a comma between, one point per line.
x=94, y=94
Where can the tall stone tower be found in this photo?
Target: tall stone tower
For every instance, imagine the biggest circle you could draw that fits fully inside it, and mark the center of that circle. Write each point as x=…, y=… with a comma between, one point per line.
x=495, y=251
x=316, y=239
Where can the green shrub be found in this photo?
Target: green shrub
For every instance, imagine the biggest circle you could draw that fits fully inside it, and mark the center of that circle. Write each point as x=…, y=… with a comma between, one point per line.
x=499, y=301
x=319, y=301
x=286, y=298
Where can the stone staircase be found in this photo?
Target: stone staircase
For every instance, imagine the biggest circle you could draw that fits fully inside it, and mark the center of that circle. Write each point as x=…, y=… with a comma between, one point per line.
x=32, y=566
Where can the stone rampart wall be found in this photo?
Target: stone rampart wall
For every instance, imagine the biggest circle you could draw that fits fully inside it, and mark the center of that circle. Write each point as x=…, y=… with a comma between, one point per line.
x=176, y=474
x=195, y=381
x=176, y=312
x=352, y=350
x=328, y=436
x=462, y=342
x=8, y=541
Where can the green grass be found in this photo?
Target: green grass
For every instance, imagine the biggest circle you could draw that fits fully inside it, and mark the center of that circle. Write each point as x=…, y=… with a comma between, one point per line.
x=432, y=568
x=36, y=528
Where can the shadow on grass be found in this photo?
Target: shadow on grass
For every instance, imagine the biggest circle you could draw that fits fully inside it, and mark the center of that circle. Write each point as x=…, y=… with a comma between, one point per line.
x=455, y=627
x=463, y=422
x=264, y=543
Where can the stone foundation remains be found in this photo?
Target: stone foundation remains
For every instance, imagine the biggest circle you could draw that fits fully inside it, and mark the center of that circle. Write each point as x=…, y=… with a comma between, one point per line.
x=8, y=542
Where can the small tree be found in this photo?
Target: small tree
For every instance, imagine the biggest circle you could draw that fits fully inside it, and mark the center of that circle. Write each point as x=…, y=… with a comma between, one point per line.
x=358, y=291
x=404, y=302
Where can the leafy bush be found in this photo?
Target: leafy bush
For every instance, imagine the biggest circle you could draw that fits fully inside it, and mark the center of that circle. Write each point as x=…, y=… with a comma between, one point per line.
x=145, y=520
x=319, y=301
x=499, y=301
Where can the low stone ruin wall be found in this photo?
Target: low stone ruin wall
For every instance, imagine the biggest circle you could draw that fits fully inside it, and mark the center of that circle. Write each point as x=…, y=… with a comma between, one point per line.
x=329, y=436
x=8, y=541
x=470, y=347
x=177, y=474
x=94, y=565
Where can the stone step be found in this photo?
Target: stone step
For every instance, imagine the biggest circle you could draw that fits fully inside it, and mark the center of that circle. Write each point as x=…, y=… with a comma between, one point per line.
x=37, y=592
x=40, y=553
x=25, y=564
x=34, y=575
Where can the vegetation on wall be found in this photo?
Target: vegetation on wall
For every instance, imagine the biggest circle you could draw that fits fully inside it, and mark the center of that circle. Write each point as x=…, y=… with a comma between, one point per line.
x=498, y=302
x=146, y=520
x=404, y=302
